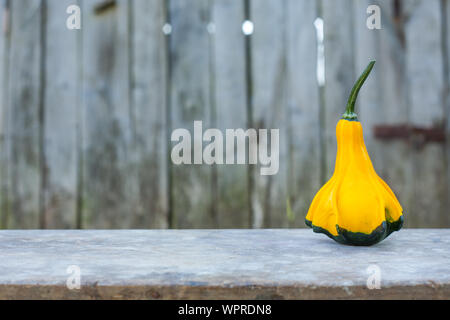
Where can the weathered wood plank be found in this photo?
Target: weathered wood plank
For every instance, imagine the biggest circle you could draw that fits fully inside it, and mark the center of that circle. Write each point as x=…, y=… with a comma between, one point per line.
x=4, y=108
x=3, y=81
x=149, y=64
x=191, y=193
x=394, y=107
x=224, y=264
x=383, y=99
x=302, y=120
x=269, y=68
x=62, y=99
x=424, y=67
x=125, y=156
x=339, y=70
x=230, y=112
x=108, y=177
x=25, y=99
x=446, y=64
x=367, y=49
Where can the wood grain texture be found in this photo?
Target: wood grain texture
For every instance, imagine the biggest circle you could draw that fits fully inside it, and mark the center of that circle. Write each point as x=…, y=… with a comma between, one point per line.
x=446, y=64
x=224, y=264
x=86, y=115
x=199, y=292
x=62, y=97
x=367, y=49
x=192, y=201
x=269, y=68
x=148, y=113
x=340, y=72
x=229, y=91
x=383, y=98
x=303, y=162
x=109, y=183
x=25, y=103
x=424, y=66
x=4, y=108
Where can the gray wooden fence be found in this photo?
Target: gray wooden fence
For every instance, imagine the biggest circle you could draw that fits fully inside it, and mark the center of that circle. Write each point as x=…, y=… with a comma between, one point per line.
x=86, y=115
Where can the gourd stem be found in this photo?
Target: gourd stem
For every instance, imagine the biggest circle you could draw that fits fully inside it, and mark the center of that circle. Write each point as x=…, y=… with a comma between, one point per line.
x=350, y=110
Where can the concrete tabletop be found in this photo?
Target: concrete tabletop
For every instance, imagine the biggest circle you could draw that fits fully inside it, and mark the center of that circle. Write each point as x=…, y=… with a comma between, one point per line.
x=221, y=264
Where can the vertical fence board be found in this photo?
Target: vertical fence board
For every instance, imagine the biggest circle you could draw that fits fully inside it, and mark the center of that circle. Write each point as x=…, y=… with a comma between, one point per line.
x=339, y=70
x=230, y=109
x=108, y=177
x=4, y=55
x=302, y=121
x=148, y=113
x=396, y=167
x=269, y=106
x=391, y=71
x=113, y=98
x=426, y=87
x=383, y=99
x=367, y=49
x=61, y=114
x=446, y=34
x=24, y=101
x=192, y=204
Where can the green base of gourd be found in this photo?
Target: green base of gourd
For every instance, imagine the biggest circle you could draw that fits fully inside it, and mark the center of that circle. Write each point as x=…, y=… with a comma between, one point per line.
x=359, y=238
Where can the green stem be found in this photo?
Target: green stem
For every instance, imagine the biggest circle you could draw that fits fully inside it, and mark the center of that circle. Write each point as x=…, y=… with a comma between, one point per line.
x=350, y=110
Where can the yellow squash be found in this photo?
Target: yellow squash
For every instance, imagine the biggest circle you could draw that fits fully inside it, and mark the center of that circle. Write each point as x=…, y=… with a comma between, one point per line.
x=355, y=206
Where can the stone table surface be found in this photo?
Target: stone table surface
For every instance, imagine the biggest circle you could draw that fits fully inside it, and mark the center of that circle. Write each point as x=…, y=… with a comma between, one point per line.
x=221, y=264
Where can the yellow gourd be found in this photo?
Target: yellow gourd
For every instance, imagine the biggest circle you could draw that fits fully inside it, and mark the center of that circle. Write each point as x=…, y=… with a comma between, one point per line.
x=355, y=206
